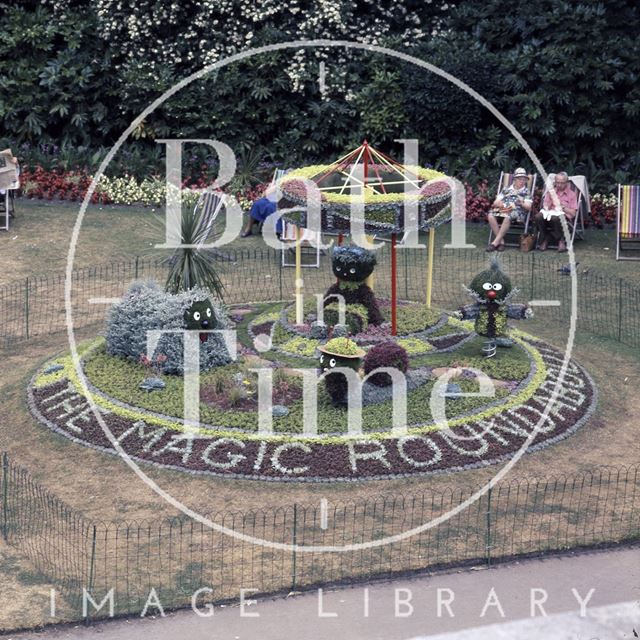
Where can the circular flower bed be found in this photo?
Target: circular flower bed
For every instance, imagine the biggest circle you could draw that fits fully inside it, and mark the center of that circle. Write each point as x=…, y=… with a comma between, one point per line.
x=481, y=430
x=384, y=212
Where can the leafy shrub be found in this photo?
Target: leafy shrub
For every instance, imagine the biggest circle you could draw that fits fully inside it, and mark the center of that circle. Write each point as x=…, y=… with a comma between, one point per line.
x=279, y=334
x=356, y=317
x=301, y=346
x=146, y=307
x=340, y=331
x=318, y=331
x=386, y=354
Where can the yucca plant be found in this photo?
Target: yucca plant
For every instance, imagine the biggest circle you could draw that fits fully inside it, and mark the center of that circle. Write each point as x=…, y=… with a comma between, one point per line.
x=248, y=172
x=191, y=266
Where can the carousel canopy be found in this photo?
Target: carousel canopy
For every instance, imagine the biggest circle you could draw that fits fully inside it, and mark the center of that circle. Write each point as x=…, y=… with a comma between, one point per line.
x=370, y=178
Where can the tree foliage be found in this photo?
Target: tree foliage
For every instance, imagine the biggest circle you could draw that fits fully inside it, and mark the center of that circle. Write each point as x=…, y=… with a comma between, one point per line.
x=77, y=72
x=567, y=75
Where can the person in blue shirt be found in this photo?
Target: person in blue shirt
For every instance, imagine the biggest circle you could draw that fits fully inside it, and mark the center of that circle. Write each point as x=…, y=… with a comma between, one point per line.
x=260, y=210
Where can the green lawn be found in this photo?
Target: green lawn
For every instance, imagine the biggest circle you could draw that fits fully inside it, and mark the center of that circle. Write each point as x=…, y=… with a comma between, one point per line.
x=38, y=241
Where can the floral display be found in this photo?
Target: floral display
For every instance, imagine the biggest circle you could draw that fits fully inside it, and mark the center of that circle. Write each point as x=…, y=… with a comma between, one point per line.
x=339, y=353
x=352, y=265
x=57, y=184
x=488, y=434
x=146, y=307
x=384, y=212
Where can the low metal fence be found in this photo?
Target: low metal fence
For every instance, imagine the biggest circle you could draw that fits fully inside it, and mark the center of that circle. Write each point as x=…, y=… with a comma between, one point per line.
x=606, y=306
x=179, y=556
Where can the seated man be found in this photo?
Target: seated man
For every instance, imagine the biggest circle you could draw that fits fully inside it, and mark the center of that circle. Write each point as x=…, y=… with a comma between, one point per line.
x=261, y=209
x=548, y=220
x=511, y=205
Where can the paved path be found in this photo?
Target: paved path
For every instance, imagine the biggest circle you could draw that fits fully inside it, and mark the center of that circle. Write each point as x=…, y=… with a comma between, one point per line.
x=408, y=608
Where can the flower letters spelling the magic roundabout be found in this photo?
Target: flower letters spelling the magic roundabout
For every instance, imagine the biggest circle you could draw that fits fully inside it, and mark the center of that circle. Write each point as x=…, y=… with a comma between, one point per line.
x=488, y=434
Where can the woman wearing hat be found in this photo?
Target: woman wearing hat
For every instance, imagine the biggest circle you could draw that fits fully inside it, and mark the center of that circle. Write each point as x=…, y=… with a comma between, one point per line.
x=511, y=205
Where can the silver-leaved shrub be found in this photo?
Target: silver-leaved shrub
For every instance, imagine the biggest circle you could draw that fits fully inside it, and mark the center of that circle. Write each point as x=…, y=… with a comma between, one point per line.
x=146, y=307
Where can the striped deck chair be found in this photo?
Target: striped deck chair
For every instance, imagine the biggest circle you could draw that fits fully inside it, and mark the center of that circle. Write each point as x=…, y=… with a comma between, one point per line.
x=512, y=238
x=207, y=209
x=628, y=220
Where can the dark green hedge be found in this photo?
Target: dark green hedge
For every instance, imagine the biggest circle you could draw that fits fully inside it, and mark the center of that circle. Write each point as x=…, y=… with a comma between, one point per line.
x=565, y=73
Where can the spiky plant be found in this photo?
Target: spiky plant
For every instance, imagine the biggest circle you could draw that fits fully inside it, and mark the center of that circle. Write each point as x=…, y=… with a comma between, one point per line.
x=191, y=266
x=248, y=172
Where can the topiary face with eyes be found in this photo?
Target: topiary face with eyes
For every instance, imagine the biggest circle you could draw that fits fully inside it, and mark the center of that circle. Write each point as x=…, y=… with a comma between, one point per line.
x=352, y=263
x=340, y=352
x=491, y=285
x=200, y=316
x=492, y=292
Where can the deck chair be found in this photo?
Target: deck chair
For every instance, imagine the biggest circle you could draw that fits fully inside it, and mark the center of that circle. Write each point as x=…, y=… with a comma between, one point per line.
x=310, y=242
x=209, y=206
x=578, y=184
x=512, y=238
x=628, y=220
x=7, y=199
x=7, y=206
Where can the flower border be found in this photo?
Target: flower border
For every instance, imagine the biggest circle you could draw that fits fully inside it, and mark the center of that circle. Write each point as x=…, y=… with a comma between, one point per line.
x=396, y=455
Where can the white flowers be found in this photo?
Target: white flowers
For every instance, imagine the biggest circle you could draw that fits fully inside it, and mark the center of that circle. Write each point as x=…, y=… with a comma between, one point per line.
x=150, y=191
x=212, y=30
x=610, y=200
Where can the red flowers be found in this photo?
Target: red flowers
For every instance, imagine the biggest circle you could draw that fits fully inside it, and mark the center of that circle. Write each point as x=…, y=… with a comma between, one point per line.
x=57, y=184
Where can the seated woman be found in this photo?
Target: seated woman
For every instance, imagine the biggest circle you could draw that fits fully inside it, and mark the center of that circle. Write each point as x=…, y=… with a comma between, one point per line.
x=260, y=210
x=511, y=205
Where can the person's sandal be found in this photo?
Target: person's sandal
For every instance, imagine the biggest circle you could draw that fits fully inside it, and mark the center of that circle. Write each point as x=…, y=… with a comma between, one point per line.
x=245, y=234
x=500, y=247
x=491, y=248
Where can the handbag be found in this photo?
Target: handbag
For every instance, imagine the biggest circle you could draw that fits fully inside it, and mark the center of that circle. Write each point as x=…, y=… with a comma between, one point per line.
x=527, y=242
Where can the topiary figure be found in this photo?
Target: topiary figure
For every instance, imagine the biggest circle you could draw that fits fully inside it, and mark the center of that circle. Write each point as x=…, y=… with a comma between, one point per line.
x=352, y=265
x=385, y=354
x=492, y=291
x=146, y=307
x=339, y=352
x=200, y=316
